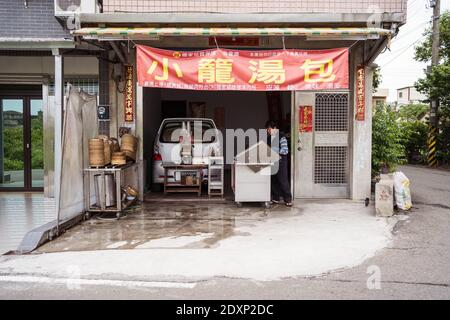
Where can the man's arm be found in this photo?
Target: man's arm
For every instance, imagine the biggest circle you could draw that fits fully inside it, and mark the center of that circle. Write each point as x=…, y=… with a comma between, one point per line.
x=284, y=149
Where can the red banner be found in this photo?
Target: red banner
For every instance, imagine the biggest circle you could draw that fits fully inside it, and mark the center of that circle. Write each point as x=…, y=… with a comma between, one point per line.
x=129, y=94
x=360, y=93
x=243, y=70
x=305, y=119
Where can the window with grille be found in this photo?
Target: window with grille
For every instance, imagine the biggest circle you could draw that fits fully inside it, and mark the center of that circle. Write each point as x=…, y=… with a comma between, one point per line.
x=331, y=112
x=88, y=85
x=252, y=6
x=330, y=164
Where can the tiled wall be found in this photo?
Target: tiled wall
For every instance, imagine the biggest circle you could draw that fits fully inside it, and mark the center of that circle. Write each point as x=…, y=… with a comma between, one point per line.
x=255, y=6
x=37, y=20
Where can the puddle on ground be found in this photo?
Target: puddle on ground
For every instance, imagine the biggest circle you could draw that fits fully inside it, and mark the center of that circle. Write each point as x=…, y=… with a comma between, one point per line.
x=165, y=225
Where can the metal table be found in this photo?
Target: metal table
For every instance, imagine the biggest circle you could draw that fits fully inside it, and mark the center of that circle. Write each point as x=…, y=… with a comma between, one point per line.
x=178, y=186
x=117, y=171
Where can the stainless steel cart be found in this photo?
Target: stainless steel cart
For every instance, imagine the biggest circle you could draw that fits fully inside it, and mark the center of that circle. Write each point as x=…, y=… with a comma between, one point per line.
x=101, y=204
x=251, y=174
x=251, y=183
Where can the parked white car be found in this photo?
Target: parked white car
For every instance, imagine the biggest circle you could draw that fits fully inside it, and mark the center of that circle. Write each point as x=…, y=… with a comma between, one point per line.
x=204, y=139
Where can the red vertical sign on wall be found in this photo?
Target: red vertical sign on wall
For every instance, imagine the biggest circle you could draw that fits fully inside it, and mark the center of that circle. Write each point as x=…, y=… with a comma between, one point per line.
x=360, y=93
x=129, y=94
x=305, y=119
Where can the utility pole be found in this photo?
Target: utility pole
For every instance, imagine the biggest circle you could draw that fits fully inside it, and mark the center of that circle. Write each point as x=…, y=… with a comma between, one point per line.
x=434, y=105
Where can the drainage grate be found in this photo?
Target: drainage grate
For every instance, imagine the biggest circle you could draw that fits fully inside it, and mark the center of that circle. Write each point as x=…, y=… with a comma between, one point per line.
x=331, y=112
x=330, y=165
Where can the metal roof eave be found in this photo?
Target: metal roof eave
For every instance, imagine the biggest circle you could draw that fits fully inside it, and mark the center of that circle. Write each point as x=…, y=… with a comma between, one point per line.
x=36, y=43
x=120, y=33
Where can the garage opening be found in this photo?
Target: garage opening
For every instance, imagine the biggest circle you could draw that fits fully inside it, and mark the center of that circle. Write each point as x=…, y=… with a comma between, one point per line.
x=167, y=109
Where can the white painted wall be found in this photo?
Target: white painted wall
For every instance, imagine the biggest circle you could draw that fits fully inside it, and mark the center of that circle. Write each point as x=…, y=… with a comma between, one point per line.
x=409, y=95
x=361, y=141
x=402, y=96
x=46, y=65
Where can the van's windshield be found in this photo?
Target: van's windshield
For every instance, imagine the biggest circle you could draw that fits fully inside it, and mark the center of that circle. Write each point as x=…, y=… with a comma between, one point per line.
x=204, y=131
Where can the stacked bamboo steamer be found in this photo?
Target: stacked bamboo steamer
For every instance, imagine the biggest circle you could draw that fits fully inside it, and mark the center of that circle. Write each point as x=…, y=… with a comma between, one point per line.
x=96, y=152
x=118, y=158
x=129, y=145
x=104, y=150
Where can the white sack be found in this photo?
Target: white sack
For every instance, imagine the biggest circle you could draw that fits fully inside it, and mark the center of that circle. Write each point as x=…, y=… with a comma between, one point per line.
x=402, y=191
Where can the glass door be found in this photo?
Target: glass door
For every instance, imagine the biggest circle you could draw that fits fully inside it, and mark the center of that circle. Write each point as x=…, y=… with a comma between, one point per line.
x=36, y=143
x=21, y=143
x=12, y=151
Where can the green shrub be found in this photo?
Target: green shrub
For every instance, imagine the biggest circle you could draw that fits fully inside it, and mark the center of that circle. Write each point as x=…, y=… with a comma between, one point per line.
x=388, y=150
x=443, y=143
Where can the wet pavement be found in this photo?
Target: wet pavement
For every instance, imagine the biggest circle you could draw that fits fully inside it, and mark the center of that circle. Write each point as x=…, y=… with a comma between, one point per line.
x=276, y=257
x=201, y=224
x=196, y=241
x=20, y=213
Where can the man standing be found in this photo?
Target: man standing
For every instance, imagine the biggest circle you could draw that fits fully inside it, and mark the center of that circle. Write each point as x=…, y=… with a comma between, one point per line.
x=279, y=180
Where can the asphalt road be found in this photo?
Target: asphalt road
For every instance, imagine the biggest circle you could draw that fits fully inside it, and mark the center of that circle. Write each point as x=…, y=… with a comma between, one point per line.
x=415, y=266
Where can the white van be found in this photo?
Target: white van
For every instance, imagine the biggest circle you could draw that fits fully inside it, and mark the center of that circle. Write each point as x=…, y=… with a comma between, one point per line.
x=205, y=140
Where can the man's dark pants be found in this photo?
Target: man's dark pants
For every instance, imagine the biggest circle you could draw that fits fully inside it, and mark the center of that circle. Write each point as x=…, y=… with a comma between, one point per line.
x=280, y=181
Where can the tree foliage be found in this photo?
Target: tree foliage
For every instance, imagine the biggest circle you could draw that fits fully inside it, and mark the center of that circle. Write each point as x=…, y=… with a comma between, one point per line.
x=436, y=83
x=413, y=112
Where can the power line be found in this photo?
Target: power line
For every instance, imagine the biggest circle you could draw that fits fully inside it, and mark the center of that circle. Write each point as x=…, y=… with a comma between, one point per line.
x=402, y=51
x=402, y=35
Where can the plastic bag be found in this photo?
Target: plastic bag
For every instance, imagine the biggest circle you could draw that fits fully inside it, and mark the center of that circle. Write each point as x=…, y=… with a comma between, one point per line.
x=402, y=191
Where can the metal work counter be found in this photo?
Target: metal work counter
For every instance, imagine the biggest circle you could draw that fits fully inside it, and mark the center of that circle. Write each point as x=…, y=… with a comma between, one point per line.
x=178, y=186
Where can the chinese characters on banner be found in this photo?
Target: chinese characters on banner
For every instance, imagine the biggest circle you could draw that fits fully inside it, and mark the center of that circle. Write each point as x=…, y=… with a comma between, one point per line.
x=360, y=93
x=242, y=70
x=129, y=94
x=305, y=118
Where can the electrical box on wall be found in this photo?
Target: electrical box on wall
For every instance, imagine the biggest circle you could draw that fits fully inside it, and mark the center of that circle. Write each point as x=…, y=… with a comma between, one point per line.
x=103, y=112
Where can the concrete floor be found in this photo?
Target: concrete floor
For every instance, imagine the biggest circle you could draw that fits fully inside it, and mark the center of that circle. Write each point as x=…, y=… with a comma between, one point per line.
x=197, y=241
x=413, y=266
x=20, y=213
x=149, y=221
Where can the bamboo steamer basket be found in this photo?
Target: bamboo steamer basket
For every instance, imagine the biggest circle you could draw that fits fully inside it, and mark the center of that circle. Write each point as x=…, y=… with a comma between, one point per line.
x=118, y=158
x=96, y=153
x=95, y=142
x=129, y=145
x=106, y=148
